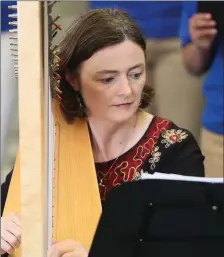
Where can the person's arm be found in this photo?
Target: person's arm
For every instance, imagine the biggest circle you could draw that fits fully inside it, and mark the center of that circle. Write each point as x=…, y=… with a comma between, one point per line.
x=4, y=191
x=195, y=59
x=197, y=34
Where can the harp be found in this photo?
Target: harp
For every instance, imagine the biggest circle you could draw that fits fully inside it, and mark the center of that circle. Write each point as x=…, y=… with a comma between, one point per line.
x=54, y=186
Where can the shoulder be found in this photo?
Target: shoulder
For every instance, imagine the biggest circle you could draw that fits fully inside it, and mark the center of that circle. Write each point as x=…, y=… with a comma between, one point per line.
x=188, y=10
x=174, y=136
x=175, y=151
x=171, y=136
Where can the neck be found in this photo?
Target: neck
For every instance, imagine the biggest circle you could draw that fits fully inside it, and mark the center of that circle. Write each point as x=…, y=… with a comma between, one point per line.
x=110, y=139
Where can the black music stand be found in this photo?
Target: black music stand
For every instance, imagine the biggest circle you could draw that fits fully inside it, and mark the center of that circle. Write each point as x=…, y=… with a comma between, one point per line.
x=162, y=218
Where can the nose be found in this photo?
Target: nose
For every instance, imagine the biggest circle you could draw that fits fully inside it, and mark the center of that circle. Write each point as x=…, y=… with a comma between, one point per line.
x=125, y=88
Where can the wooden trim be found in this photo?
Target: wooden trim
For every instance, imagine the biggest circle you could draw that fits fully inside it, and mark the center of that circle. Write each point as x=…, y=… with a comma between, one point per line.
x=30, y=127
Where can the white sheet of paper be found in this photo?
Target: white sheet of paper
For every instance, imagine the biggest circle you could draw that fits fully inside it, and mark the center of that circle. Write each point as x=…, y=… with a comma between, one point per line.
x=164, y=176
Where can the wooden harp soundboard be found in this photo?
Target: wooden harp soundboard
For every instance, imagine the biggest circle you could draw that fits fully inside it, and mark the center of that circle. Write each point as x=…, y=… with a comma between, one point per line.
x=54, y=186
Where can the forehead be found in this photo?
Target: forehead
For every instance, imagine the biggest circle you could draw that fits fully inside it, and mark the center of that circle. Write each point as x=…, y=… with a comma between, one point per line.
x=118, y=57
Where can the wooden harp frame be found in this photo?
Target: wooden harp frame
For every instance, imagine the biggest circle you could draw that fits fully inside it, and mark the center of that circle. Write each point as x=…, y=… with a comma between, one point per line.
x=74, y=205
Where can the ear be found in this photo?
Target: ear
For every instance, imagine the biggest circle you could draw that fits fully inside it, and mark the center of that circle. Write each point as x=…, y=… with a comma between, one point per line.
x=72, y=81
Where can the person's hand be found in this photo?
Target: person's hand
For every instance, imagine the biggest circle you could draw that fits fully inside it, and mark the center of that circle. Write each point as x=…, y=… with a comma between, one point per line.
x=10, y=233
x=202, y=30
x=67, y=248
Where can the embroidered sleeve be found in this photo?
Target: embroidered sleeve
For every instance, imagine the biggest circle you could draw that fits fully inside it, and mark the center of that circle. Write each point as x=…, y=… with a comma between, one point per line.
x=176, y=152
x=173, y=136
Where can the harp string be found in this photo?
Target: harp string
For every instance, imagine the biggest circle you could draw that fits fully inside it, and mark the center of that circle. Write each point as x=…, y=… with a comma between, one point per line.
x=50, y=29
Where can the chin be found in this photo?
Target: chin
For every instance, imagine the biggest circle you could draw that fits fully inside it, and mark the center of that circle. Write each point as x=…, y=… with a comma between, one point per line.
x=123, y=114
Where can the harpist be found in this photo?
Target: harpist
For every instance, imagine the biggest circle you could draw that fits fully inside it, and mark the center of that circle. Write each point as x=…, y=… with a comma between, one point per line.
x=103, y=78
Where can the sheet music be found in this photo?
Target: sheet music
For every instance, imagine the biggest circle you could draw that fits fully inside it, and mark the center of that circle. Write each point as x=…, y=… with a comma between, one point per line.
x=158, y=175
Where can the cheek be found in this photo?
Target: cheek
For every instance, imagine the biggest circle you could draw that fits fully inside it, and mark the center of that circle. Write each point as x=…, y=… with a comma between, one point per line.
x=94, y=98
x=139, y=85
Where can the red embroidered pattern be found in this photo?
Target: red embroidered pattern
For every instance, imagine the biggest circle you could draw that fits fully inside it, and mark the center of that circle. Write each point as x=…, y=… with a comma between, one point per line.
x=128, y=166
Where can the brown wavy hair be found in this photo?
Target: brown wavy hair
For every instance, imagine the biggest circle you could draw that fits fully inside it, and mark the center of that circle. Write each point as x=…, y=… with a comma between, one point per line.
x=93, y=31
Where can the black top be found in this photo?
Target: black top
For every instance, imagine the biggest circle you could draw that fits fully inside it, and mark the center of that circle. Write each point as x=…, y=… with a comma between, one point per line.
x=4, y=191
x=164, y=148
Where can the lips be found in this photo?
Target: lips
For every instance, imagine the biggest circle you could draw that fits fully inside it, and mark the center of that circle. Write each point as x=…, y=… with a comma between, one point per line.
x=124, y=104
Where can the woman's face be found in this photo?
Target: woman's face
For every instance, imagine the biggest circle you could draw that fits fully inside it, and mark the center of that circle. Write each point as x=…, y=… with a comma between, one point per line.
x=112, y=80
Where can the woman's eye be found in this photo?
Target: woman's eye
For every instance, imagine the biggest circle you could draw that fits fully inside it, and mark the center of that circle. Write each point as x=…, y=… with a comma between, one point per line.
x=107, y=80
x=135, y=75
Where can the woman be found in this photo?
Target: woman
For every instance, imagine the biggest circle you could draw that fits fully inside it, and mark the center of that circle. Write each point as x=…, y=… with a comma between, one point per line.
x=103, y=78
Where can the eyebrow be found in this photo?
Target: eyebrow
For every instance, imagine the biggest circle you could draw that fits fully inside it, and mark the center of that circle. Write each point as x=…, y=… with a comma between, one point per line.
x=139, y=65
